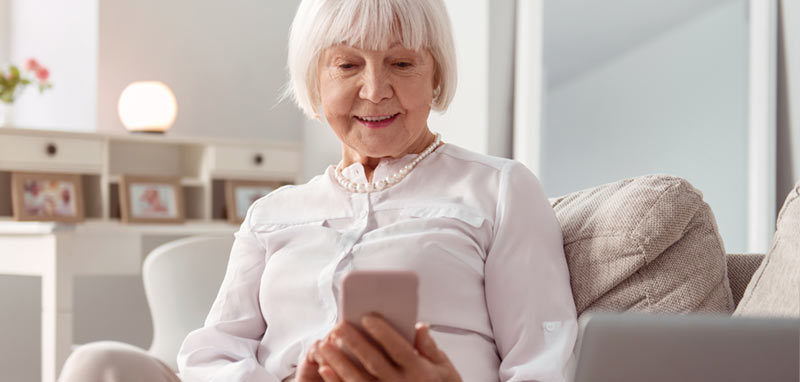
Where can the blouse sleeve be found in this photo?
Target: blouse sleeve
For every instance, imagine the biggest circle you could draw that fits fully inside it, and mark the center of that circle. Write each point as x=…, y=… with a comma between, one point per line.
x=224, y=349
x=527, y=283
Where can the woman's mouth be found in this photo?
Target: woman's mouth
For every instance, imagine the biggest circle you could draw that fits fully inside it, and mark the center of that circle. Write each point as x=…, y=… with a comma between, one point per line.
x=377, y=121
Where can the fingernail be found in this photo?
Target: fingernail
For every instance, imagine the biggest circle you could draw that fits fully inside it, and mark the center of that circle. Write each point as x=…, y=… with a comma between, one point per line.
x=368, y=320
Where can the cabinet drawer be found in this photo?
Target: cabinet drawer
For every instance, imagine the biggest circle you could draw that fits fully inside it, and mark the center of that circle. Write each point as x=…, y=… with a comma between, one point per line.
x=254, y=161
x=48, y=154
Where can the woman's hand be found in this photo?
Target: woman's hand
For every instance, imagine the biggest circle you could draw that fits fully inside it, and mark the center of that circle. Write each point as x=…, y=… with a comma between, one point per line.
x=308, y=370
x=313, y=368
x=397, y=361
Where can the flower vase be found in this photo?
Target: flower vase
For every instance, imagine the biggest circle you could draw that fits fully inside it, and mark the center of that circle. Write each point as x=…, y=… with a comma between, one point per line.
x=6, y=114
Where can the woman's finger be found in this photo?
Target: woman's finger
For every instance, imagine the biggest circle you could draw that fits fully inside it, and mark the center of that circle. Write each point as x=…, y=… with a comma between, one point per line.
x=327, y=374
x=312, y=351
x=427, y=346
x=393, y=343
x=371, y=357
x=334, y=358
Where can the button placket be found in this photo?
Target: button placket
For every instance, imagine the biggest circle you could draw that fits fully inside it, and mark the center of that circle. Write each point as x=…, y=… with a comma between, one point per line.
x=343, y=261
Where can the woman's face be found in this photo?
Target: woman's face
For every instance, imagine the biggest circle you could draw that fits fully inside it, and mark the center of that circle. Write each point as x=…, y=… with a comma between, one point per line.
x=377, y=102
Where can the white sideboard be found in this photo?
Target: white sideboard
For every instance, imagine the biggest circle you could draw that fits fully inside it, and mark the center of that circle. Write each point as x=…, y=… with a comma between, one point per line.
x=201, y=164
x=102, y=245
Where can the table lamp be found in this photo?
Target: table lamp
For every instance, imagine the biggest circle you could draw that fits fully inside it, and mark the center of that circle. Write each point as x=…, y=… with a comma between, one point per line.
x=147, y=106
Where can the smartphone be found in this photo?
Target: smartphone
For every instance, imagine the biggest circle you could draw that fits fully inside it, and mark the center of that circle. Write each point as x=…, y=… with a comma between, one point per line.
x=393, y=294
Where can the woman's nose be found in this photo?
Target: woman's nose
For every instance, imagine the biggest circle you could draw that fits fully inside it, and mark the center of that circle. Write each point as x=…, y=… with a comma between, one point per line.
x=376, y=86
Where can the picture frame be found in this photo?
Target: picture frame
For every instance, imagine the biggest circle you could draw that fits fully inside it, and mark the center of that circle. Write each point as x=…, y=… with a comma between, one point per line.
x=40, y=196
x=151, y=199
x=240, y=194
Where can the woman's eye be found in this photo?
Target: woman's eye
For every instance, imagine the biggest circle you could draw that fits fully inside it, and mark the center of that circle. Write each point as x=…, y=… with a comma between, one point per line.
x=346, y=66
x=403, y=64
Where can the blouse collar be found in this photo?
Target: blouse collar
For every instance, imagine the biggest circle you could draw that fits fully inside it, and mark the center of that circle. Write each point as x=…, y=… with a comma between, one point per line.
x=386, y=167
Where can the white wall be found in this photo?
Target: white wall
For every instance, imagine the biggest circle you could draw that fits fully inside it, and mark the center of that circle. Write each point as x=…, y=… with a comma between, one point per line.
x=500, y=98
x=614, y=27
x=676, y=104
x=479, y=118
x=62, y=36
x=223, y=60
x=321, y=148
x=5, y=30
x=465, y=123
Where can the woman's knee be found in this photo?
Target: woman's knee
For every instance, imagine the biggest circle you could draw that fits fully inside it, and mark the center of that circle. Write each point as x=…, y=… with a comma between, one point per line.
x=112, y=361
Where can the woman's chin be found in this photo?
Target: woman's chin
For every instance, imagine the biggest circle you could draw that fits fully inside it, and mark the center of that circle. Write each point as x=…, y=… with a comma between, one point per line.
x=379, y=150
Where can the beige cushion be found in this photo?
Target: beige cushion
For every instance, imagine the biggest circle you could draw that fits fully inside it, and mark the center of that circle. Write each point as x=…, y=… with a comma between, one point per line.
x=645, y=244
x=741, y=267
x=774, y=289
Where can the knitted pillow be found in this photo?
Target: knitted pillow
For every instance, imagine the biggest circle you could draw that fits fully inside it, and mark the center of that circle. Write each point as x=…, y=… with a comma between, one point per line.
x=774, y=289
x=644, y=244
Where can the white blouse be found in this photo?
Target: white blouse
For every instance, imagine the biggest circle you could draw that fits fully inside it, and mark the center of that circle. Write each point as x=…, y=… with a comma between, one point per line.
x=478, y=230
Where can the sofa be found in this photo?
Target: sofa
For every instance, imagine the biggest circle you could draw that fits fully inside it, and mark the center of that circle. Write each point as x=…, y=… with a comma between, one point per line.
x=651, y=244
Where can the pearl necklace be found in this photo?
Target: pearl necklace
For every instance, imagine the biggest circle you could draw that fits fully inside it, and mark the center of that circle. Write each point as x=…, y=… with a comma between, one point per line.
x=389, y=180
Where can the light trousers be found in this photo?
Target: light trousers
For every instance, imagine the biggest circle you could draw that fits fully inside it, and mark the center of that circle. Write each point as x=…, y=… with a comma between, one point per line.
x=109, y=361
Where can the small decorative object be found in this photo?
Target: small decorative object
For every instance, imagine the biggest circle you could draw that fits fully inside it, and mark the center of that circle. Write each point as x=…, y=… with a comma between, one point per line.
x=13, y=81
x=240, y=194
x=47, y=197
x=147, y=107
x=147, y=199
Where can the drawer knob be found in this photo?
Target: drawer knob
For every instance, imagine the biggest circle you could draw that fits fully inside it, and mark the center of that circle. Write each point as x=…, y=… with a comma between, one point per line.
x=51, y=149
x=258, y=159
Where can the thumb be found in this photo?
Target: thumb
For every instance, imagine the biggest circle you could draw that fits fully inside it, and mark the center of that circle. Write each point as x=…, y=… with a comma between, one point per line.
x=427, y=346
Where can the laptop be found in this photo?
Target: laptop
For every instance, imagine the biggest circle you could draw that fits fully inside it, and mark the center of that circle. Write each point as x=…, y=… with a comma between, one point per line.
x=634, y=347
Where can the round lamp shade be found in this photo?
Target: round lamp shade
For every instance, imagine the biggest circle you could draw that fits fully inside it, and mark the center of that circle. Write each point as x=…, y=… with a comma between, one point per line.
x=147, y=106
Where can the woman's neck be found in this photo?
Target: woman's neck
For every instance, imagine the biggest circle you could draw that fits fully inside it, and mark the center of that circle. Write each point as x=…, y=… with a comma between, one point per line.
x=350, y=156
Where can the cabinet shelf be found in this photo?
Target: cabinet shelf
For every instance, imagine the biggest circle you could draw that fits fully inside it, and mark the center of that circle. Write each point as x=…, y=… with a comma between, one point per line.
x=186, y=182
x=202, y=165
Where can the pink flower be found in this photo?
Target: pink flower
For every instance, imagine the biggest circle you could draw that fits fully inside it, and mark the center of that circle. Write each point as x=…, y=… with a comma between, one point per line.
x=32, y=65
x=42, y=74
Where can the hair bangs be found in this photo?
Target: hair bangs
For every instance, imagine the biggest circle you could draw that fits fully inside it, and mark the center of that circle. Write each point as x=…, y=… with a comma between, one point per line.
x=374, y=24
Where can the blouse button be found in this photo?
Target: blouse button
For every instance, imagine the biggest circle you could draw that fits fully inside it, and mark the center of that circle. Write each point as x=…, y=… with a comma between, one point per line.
x=550, y=326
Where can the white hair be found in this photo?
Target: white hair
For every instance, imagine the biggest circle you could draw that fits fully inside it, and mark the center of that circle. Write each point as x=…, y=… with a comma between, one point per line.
x=371, y=25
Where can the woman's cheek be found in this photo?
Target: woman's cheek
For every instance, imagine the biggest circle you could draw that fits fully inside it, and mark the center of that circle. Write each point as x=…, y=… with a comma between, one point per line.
x=336, y=106
x=417, y=93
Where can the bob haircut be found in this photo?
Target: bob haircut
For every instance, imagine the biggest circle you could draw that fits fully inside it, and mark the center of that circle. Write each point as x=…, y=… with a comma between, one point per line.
x=369, y=25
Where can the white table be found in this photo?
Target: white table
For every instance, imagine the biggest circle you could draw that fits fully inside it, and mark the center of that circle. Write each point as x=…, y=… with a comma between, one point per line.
x=59, y=252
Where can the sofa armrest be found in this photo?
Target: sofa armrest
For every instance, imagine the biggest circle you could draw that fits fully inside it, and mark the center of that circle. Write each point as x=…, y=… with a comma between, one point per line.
x=741, y=267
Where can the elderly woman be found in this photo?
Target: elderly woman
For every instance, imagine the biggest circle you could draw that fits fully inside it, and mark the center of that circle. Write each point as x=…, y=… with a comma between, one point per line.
x=495, y=299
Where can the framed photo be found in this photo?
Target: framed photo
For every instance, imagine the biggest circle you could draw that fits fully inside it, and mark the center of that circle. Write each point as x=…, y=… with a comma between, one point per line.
x=47, y=197
x=147, y=199
x=240, y=194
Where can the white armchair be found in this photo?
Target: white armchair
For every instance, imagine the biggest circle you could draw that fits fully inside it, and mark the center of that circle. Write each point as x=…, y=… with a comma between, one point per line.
x=181, y=280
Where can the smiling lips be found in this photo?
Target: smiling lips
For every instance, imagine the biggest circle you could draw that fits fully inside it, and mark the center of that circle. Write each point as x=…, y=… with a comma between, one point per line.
x=377, y=121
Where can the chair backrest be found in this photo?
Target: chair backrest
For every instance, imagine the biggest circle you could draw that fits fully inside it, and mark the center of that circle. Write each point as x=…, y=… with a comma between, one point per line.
x=181, y=280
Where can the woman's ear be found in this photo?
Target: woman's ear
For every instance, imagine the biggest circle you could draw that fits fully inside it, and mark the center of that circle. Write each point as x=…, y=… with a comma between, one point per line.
x=436, y=88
